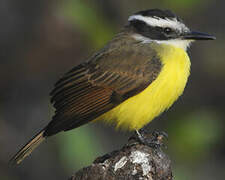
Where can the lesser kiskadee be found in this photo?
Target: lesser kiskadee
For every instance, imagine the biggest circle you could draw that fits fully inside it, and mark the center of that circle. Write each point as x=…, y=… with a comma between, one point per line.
x=129, y=82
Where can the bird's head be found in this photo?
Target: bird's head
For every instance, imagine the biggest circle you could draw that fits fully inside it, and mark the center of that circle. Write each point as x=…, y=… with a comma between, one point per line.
x=163, y=27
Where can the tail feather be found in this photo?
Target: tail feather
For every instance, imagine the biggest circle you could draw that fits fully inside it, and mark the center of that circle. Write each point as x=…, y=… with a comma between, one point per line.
x=28, y=148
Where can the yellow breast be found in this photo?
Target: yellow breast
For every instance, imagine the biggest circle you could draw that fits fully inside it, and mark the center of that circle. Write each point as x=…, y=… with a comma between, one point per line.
x=139, y=110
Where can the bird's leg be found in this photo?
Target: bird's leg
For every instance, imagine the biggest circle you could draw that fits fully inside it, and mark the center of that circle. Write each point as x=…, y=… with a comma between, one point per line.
x=154, y=139
x=140, y=136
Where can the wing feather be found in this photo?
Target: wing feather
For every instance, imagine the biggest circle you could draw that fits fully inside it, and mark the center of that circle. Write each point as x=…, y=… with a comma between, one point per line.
x=95, y=87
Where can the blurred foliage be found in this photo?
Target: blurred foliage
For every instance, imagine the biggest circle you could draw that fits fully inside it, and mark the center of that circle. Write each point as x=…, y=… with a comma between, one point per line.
x=78, y=148
x=193, y=135
x=180, y=173
x=89, y=20
x=212, y=65
x=183, y=4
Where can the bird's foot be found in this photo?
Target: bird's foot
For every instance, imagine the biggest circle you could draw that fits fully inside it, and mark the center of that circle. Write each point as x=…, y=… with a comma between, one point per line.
x=154, y=139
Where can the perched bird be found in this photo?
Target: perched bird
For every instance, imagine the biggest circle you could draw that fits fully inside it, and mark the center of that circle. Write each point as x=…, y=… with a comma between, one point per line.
x=130, y=81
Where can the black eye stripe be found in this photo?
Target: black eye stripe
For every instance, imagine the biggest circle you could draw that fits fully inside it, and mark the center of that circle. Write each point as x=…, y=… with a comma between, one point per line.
x=153, y=32
x=166, y=30
x=140, y=26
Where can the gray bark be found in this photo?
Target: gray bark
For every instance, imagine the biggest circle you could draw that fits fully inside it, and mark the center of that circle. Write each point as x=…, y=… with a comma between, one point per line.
x=134, y=161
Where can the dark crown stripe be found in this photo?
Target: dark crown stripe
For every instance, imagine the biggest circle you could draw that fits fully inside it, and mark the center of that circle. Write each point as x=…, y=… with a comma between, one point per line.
x=158, y=13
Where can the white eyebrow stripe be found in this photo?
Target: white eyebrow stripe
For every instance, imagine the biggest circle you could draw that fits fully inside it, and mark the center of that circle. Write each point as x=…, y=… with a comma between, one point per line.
x=173, y=23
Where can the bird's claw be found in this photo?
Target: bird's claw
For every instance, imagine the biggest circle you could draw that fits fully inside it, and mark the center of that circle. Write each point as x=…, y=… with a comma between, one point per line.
x=154, y=139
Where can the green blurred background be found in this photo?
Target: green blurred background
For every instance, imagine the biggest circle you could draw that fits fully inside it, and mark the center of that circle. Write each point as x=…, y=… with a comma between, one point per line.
x=41, y=40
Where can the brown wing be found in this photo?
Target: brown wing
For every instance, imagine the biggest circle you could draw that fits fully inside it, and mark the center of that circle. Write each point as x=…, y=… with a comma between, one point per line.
x=95, y=87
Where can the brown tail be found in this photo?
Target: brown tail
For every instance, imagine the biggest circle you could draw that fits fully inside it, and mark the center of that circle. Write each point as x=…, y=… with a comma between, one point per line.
x=28, y=148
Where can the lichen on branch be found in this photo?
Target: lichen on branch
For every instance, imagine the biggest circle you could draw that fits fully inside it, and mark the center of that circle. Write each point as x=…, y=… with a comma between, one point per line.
x=134, y=161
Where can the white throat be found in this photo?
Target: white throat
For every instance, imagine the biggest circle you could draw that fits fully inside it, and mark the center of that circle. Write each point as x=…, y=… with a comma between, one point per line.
x=180, y=43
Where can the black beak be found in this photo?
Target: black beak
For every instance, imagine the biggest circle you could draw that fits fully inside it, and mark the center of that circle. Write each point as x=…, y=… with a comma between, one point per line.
x=193, y=35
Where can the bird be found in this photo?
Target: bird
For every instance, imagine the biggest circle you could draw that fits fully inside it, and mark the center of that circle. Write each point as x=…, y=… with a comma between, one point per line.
x=135, y=77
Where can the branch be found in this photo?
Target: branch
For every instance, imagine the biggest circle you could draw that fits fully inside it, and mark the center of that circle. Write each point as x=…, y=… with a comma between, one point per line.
x=133, y=161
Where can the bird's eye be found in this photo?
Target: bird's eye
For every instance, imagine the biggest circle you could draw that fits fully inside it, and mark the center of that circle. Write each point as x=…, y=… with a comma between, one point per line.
x=167, y=30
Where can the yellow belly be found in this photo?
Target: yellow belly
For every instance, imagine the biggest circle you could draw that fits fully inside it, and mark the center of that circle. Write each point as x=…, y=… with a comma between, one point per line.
x=139, y=110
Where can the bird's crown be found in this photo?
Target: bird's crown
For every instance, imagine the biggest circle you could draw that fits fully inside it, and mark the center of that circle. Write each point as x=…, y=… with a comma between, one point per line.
x=156, y=18
x=164, y=14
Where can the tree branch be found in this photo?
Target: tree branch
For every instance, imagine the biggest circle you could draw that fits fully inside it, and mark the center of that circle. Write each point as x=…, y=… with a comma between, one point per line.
x=133, y=161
